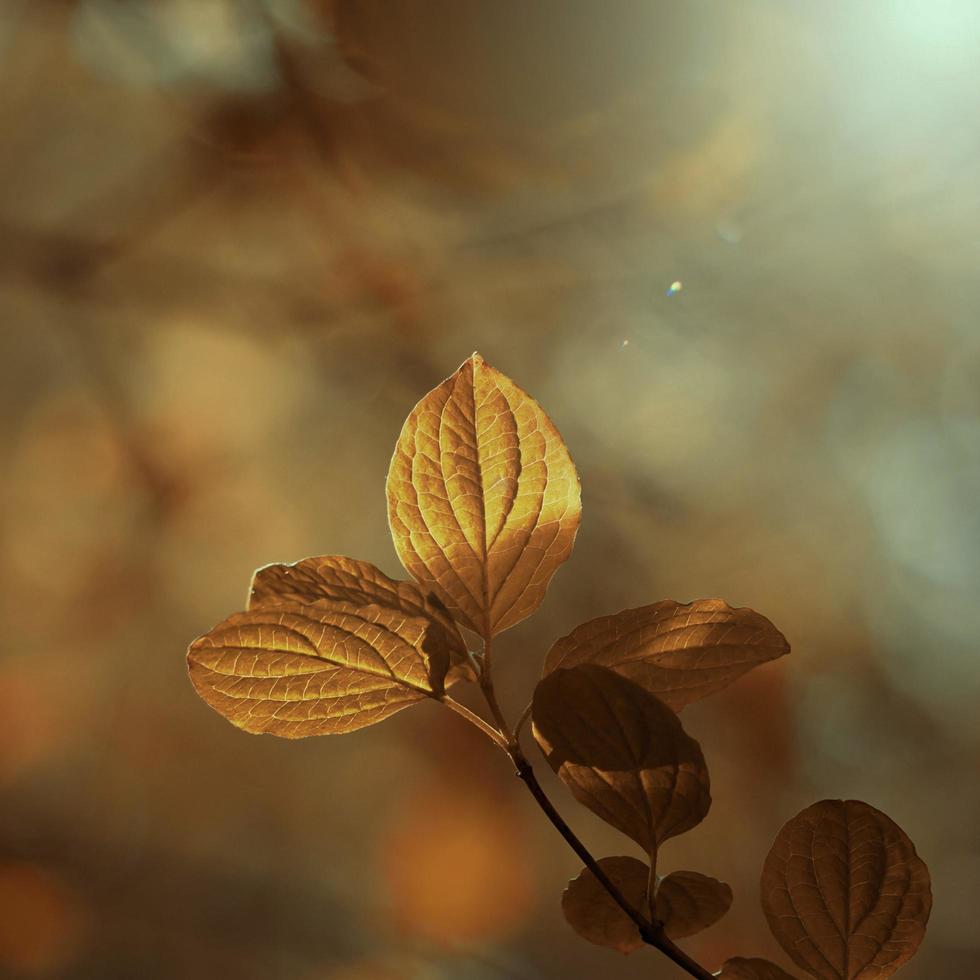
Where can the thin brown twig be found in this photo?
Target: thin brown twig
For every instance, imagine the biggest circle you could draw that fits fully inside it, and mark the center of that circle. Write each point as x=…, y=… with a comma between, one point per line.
x=651, y=932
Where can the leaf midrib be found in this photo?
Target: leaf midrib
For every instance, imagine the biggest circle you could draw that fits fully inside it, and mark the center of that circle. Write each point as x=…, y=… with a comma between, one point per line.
x=389, y=675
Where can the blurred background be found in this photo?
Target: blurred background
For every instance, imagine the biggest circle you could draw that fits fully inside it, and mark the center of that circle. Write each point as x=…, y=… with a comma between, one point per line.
x=733, y=250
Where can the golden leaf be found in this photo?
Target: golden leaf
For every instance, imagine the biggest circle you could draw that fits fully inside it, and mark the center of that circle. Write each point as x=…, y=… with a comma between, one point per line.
x=688, y=902
x=320, y=668
x=339, y=579
x=592, y=912
x=680, y=653
x=740, y=968
x=622, y=752
x=483, y=498
x=845, y=893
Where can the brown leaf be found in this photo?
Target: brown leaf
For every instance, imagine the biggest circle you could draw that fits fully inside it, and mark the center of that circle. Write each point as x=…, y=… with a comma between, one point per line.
x=483, y=498
x=317, y=669
x=740, y=968
x=622, y=752
x=592, y=912
x=679, y=652
x=339, y=579
x=688, y=902
x=845, y=893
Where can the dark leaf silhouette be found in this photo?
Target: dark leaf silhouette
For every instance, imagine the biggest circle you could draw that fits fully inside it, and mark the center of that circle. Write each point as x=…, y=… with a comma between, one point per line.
x=483, y=498
x=316, y=669
x=685, y=903
x=679, y=652
x=688, y=902
x=593, y=913
x=845, y=893
x=622, y=752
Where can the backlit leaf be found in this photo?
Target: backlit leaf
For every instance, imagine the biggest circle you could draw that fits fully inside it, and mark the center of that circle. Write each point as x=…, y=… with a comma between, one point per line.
x=679, y=652
x=318, y=668
x=740, y=968
x=483, y=498
x=845, y=893
x=622, y=752
x=339, y=579
x=593, y=913
x=688, y=902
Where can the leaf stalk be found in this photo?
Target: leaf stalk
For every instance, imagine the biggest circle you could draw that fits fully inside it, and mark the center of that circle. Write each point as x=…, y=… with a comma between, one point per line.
x=474, y=719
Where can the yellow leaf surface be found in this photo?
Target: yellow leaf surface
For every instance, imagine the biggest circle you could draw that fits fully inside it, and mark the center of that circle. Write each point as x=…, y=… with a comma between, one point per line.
x=740, y=968
x=688, y=902
x=483, y=498
x=680, y=653
x=319, y=668
x=845, y=893
x=339, y=579
x=622, y=753
x=595, y=916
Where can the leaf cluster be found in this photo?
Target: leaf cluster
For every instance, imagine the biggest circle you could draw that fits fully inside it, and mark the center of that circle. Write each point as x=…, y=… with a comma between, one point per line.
x=484, y=504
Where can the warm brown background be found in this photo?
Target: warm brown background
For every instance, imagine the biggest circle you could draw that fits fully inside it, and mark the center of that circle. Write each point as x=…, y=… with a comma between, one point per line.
x=238, y=240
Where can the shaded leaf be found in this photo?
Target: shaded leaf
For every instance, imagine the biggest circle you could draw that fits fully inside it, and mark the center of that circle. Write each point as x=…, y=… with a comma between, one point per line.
x=679, y=652
x=483, y=498
x=622, y=752
x=740, y=968
x=316, y=669
x=592, y=912
x=688, y=902
x=845, y=893
x=340, y=579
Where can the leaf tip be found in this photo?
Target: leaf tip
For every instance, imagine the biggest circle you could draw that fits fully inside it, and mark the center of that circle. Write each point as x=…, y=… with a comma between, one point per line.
x=477, y=364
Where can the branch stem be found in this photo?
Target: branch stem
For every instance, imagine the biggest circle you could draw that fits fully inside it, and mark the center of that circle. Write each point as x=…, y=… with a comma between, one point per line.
x=526, y=773
x=651, y=932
